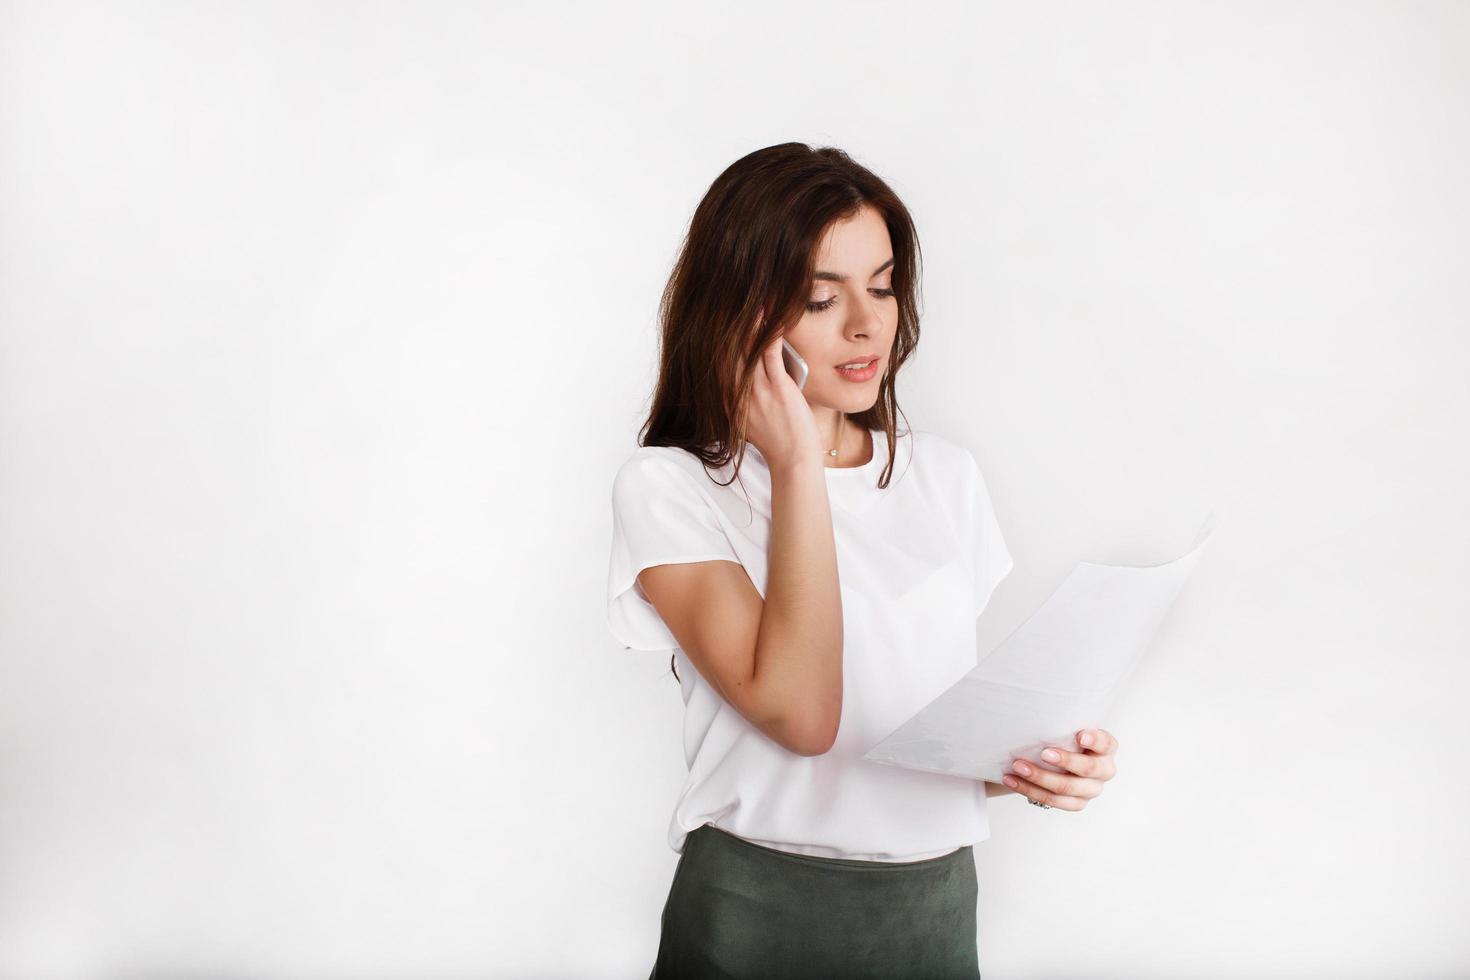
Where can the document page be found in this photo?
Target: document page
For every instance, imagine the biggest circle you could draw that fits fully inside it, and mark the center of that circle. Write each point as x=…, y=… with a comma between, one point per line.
x=1058, y=672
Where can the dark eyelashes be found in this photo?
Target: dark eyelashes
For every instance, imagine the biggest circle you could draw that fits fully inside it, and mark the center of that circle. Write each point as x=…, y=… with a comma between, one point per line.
x=826, y=304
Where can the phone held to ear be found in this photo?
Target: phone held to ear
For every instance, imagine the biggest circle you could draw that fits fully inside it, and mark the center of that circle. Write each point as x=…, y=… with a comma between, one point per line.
x=795, y=364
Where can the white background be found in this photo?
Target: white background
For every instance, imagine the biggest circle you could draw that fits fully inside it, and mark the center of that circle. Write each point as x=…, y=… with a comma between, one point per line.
x=325, y=327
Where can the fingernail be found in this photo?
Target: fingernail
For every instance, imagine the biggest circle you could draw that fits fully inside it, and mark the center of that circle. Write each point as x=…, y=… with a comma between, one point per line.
x=1086, y=739
x=1023, y=769
x=1051, y=756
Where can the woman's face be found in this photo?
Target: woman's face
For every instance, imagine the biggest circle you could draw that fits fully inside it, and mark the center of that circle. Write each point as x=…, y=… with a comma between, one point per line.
x=851, y=314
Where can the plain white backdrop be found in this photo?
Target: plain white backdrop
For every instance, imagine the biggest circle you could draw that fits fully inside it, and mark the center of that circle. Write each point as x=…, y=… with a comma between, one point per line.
x=324, y=327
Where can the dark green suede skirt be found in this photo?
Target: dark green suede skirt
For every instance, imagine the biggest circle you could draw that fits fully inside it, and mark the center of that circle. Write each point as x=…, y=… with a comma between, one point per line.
x=738, y=909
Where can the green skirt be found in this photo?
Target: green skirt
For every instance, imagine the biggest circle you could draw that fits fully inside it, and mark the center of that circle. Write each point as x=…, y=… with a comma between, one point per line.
x=738, y=909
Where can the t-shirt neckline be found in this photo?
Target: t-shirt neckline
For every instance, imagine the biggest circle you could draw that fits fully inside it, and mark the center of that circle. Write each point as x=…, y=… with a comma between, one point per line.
x=873, y=464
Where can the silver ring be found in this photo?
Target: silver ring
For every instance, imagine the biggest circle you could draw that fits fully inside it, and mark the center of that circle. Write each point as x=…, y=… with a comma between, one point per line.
x=1044, y=806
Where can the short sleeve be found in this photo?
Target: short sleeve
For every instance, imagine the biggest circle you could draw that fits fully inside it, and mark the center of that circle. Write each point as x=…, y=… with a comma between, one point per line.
x=660, y=517
x=990, y=559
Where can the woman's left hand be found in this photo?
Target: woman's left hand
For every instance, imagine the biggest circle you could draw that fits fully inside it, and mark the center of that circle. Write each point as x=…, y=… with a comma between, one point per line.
x=1087, y=770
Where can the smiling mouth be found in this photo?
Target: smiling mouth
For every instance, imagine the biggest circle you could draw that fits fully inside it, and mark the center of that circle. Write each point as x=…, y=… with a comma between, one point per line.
x=864, y=371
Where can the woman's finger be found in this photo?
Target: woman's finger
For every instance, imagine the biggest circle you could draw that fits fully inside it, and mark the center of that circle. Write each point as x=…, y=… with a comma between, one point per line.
x=1032, y=791
x=1097, y=741
x=771, y=361
x=1079, y=763
x=1060, y=783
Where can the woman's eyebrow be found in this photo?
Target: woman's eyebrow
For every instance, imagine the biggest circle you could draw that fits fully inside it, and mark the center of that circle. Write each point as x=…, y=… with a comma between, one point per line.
x=839, y=277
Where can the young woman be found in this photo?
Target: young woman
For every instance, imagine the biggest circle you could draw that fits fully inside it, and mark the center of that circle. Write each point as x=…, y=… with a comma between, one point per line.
x=817, y=575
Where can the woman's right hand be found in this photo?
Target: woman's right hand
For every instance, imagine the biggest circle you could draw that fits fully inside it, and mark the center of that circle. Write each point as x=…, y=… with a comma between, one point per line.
x=778, y=420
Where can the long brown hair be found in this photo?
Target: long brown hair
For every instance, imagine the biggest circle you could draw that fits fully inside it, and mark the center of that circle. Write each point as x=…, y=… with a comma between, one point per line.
x=751, y=245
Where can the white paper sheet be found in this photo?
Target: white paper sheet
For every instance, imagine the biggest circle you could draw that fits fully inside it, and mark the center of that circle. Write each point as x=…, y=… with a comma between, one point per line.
x=1058, y=672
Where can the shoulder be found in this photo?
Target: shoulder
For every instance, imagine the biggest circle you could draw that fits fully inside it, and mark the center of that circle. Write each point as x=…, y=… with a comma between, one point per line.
x=650, y=469
x=941, y=453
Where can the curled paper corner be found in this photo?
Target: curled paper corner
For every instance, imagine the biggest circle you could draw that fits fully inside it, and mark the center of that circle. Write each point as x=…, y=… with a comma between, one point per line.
x=1206, y=528
x=1203, y=534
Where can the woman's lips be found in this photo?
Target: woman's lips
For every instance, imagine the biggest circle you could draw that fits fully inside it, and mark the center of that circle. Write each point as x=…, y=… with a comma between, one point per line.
x=860, y=374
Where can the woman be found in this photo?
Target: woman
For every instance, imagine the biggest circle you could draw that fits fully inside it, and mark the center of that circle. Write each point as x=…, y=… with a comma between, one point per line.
x=819, y=573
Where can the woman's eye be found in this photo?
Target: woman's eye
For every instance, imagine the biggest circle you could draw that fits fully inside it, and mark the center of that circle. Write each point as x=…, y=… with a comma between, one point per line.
x=826, y=304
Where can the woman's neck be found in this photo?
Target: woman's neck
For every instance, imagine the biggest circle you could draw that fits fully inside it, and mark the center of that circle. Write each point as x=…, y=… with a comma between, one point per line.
x=855, y=448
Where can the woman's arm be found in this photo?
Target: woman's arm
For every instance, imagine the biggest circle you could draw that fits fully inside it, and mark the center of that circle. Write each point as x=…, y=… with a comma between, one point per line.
x=779, y=661
x=799, y=654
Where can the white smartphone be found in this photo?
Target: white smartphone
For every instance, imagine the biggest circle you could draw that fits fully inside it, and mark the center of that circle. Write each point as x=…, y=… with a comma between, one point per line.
x=795, y=365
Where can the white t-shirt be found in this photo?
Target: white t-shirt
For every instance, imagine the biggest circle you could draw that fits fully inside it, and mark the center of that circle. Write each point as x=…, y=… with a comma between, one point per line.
x=917, y=562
